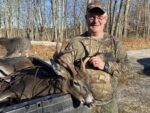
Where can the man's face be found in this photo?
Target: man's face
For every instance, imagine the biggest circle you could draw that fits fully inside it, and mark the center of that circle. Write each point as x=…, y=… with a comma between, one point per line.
x=96, y=22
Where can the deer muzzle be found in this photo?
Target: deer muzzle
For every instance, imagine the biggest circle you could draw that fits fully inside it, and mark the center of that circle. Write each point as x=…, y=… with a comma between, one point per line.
x=89, y=99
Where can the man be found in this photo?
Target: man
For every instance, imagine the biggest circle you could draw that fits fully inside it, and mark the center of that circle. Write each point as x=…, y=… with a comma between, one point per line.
x=107, y=58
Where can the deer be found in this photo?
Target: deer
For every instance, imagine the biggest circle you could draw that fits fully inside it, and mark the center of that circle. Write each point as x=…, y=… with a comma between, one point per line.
x=15, y=46
x=7, y=67
x=42, y=79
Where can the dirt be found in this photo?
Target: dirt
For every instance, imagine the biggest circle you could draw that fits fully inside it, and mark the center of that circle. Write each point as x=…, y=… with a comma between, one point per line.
x=43, y=52
x=134, y=97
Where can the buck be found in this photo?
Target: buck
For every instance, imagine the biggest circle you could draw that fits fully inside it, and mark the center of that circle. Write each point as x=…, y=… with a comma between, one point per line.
x=42, y=80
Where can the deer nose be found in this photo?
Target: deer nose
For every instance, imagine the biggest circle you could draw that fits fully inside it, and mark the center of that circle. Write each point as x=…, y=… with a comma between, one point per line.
x=89, y=99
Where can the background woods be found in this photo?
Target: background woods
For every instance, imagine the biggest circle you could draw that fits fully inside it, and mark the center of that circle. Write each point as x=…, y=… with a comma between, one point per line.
x=52, y=20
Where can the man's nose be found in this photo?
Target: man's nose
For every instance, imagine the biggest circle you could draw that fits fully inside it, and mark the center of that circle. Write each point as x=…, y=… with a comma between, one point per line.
x=96, y=19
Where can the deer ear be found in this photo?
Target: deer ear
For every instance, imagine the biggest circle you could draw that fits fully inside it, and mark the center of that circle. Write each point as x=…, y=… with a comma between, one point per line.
x=58, y=69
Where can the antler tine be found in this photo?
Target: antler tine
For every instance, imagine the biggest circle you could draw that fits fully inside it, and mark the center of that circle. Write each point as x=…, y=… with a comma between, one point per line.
x=68, y=51
x=72, y=68
x=67, y=64
x=61, y=59
x=84, y=63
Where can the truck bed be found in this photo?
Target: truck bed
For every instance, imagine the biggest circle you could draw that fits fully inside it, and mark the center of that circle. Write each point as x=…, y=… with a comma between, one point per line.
x=57, y=103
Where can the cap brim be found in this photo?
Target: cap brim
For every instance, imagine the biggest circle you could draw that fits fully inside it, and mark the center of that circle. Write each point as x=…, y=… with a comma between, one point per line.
x=96, y=10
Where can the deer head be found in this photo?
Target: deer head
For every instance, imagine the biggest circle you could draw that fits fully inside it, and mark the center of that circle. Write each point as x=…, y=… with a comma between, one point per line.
x=76, y=81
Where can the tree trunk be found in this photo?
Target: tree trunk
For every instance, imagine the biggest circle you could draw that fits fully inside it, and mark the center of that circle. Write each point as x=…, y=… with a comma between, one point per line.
x=53, y=2
x=138, y=20
x=18, y=17
x=89, y=1
x=10, y=22
x=148, y=29
x=59, y=20
x=75, y=18
x=109, y=23
x=113, y=18
x=65, y=19
x=0, y=16
x=119, y=18
x=146, y=15
x=126, y=18
x=6, y=19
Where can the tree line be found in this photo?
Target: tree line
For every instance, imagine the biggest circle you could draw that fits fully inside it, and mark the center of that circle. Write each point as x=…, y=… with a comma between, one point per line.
x=56, y=20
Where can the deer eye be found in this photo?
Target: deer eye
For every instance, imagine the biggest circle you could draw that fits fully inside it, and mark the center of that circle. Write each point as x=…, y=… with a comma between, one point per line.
x=74, y=83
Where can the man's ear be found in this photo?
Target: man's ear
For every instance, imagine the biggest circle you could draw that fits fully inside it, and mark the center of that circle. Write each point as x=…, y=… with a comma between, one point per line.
x=105, y=17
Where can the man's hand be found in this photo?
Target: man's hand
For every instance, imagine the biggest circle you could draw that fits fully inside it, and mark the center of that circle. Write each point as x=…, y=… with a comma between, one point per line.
x=97, y=62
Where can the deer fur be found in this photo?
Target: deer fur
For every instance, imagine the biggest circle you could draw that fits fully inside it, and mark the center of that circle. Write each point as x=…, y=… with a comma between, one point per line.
x=16, y=46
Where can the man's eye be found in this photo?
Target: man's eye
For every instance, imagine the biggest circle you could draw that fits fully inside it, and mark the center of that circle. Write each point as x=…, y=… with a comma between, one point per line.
x=96, y=17
x=91, y=18
x=74, y=83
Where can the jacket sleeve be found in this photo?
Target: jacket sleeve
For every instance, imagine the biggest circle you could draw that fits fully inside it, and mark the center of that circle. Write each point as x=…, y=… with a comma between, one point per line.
x=121, y=64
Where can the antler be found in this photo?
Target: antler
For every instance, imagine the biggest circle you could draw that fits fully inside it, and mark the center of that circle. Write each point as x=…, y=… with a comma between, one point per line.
x=84, y=63
x=61, y=59
x=72, y=68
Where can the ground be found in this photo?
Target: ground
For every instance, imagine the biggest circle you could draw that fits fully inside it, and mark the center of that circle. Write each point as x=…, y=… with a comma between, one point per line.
x=134, y=97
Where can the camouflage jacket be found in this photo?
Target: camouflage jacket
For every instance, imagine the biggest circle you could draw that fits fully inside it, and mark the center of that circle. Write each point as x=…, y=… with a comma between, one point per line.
x=103, y=84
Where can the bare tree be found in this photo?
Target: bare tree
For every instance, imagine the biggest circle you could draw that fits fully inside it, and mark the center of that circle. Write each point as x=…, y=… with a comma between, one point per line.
x=146, y=18
x=117, y=26
x=5, y=18
x=1, y=18
x=126, y=18
x=112, y=25
x=18, y=17
x=53, y=2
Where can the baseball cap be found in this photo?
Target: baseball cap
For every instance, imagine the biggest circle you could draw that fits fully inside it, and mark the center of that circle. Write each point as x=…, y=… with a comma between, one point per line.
x=95, y=6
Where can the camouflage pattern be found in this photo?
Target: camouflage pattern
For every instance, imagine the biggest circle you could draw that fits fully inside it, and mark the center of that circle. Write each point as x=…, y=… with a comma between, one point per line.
x=111, y=107
x=96, y=4
x=103, y=84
